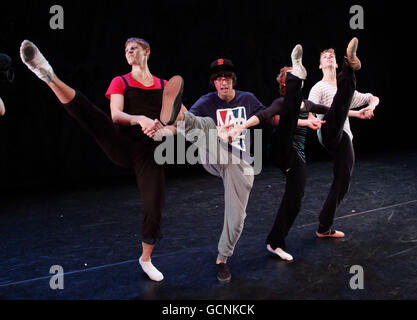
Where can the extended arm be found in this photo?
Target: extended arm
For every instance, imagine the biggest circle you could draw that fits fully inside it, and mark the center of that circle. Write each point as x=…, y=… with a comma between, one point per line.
x=312, y=122
x=368, y=112
x=121, y=118
x=149, y=126
x=233, y=133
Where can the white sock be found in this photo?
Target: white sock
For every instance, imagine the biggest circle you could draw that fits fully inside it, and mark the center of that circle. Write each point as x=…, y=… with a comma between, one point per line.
x=151, y=271
x=281, y=253
x=36, y=62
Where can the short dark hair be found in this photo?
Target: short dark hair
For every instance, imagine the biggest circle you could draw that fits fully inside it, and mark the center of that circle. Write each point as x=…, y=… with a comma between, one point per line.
x=226, y=74
x=142, y=42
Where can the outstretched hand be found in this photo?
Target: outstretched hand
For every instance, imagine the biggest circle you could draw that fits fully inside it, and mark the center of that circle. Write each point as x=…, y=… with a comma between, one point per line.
x=223, y=133
x=150, y=127
x=164, y=132
x=235, y=133
x=366, y=113
x=314, y=123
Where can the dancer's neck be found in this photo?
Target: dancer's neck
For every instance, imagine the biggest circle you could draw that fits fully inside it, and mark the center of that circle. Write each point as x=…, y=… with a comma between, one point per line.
x=227, y=97
x=142, y=75
x=329, y=75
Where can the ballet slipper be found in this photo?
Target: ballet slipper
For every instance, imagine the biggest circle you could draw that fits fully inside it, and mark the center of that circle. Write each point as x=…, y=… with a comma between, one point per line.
x=36, y=62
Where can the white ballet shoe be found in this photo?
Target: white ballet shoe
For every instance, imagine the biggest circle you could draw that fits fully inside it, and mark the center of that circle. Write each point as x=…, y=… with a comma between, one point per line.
x=298, y=69
x=151, y=271
x=281, y=253
x=36, y=62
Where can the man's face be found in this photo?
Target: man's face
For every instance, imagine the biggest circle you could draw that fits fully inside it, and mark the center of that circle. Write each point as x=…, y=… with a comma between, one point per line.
x=328, y=60
x=224, y=85
x=135, y=53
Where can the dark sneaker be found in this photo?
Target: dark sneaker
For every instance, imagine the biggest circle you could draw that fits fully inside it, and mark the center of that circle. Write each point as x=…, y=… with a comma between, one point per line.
x=172, y=101
x=331, y=234
x=223, y=274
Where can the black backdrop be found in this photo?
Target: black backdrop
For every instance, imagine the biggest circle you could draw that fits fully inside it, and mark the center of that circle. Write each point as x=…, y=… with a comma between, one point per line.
x=41, y=145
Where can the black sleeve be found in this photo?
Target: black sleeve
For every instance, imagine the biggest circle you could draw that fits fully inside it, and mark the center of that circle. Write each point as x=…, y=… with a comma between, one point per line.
x=270, y=112
x=312, y=107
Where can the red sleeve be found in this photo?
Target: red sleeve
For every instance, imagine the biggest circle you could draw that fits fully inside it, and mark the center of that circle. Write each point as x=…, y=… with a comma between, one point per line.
x=117, y=86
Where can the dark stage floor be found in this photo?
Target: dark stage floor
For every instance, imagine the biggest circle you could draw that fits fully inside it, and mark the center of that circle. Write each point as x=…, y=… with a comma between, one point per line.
x=94, y=235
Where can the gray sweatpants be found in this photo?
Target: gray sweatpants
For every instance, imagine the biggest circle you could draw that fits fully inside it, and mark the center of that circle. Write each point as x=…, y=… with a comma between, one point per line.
x=237, y=176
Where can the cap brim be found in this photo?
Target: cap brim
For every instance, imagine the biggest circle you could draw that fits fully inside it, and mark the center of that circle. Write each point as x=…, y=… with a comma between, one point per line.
x=222, y=68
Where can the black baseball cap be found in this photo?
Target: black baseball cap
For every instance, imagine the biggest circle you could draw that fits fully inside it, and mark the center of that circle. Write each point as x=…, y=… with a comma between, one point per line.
x=222, y=65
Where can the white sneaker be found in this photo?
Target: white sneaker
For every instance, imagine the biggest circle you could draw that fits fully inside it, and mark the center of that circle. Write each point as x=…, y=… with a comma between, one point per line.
x=35, y=61
x=151, y=271
x=2, y=108
x=281, y=253
x=298, y=69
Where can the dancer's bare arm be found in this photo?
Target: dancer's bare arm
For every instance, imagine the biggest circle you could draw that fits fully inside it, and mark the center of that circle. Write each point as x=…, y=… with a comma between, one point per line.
x=312, y=122
x=368, y=112
x=373, y=103
x=124, y=119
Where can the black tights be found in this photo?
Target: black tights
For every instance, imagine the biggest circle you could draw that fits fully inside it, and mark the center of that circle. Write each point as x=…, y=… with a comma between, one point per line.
x=339, y=144
x=290, y=203
x=130, y=152
x=290, y=162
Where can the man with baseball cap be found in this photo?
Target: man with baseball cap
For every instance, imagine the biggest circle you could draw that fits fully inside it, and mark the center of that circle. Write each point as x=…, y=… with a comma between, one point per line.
x=214, y=114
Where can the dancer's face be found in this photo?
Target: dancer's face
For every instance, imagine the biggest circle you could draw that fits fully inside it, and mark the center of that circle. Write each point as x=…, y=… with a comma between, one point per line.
x=224, y=87
x=328, y=60
x=136, y=54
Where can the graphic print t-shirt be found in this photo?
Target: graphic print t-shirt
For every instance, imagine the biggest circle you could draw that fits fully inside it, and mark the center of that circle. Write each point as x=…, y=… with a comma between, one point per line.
x=236, y=117
x=237, y=112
